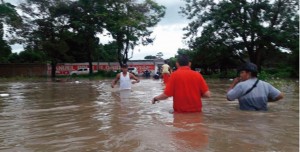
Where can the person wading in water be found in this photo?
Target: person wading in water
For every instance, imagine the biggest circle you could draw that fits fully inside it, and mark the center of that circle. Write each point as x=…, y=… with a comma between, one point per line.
x=253, y=94
x=186, y=86
x=125, y=79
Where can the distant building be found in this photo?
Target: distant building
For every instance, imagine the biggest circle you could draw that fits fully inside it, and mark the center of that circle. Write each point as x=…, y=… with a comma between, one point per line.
x=141, y=65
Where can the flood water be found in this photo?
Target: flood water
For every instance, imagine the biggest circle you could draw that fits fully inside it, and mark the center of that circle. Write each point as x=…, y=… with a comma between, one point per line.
x=91, y=116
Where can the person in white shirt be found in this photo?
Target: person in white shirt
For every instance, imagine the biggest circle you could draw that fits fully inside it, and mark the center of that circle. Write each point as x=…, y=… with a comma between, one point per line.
x=125, y=79
x=125, y=83
x=166, y=71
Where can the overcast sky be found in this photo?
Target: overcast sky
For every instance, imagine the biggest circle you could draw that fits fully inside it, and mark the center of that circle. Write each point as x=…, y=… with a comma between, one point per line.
x=168, y=32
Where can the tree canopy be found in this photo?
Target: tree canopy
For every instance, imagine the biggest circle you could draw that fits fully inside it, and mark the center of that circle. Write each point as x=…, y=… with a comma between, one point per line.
x=247, y=30
x=9, y=17
x=68, y=30
x=129, y=23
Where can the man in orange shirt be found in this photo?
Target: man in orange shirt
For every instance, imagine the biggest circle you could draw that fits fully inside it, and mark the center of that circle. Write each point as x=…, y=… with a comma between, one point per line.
x=186, y=86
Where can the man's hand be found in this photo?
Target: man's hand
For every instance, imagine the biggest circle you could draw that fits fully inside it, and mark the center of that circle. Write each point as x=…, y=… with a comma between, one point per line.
x=236, y=80
x=136, y=81
x=154, y=100
x=112, y=85
x=159, y=97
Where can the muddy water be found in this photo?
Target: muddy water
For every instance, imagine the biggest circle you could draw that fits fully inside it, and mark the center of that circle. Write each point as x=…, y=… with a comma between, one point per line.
x=91, y=116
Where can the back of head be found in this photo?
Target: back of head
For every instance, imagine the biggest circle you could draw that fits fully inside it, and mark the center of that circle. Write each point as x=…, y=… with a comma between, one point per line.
x=249, y=67
x=183, y=60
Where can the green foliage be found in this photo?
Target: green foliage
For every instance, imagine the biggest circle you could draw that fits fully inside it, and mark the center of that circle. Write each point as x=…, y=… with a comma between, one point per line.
x=172, y=62
x=46, y=31
x=281, y=72
x=223, y=32
x=150, y=57
x=129, y=22
x=10, y=17
x=27, y=57
x=5, y=50
x=66, y=30
x=107, y=52
x=110, y=73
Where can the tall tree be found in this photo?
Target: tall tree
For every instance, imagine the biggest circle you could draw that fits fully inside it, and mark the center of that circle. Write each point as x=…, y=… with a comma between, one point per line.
x=9, y=17
x=46, y=29
x=129, y=22
x=253, y=28
x=87, y=20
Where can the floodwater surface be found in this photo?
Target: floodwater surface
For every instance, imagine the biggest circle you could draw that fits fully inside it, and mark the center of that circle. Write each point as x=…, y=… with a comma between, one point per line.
x=91, y=116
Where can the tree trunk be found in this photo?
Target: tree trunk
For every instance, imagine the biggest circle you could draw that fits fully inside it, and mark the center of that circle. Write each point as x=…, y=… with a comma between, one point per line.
x=258, y=56
x=89, y=53
x=120, y=48
x=255, y=56
x=53, y=70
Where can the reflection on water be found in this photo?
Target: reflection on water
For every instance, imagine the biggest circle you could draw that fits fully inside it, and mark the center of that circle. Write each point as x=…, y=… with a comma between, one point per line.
x=192, y=132
x=91, y=116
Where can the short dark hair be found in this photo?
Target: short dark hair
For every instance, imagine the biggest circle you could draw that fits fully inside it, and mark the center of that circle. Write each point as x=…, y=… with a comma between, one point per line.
x=124, y=66
x=183, y=60
x=166, y=61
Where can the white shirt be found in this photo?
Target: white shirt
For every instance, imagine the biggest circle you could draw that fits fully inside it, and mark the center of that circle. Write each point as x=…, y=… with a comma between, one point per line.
x=125, y=82
x=165, y=68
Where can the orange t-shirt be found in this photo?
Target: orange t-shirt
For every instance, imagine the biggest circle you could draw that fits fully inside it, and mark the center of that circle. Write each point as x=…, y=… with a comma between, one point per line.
x=186, y=86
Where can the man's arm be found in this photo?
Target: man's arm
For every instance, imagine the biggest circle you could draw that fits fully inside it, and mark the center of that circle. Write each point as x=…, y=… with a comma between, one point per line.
x=206, y=94
x=137, y=80
x=280, y=96
x=274, y=94
x=113, y=83
x=159, y=97
x=234, y=92
x=170, y=70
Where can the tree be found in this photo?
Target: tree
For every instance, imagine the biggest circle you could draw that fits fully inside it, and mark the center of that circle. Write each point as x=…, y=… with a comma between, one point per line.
x=150, y=57
x=28, y=56
x=46, y=29
x=108, y=52
x=5, y=49
x=87, y=19
x=10, y=17
x=129, y=23
x=245, y=29
x=159, y=55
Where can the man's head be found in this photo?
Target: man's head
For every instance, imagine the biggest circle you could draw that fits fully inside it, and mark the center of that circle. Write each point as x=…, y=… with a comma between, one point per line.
x=183, y=60
x=247, y=71
x=166, y=61
x=124, y=67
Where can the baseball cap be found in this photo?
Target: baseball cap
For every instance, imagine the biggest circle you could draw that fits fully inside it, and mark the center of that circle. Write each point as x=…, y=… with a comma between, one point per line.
x=248, y=66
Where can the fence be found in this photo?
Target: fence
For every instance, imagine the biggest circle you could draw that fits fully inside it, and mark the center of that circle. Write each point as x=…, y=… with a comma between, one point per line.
x=26, y=70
